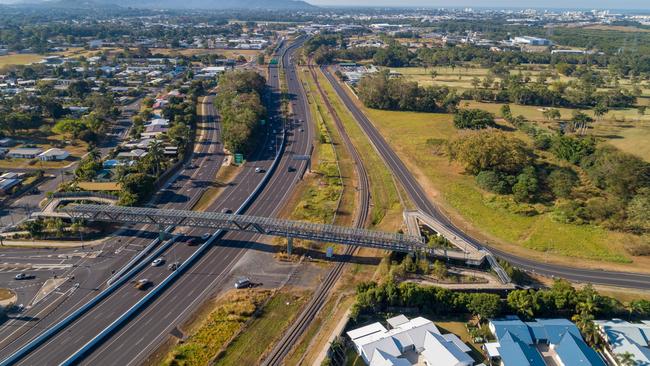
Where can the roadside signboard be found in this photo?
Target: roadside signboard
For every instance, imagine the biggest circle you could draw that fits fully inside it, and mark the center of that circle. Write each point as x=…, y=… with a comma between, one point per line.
x=239, y=159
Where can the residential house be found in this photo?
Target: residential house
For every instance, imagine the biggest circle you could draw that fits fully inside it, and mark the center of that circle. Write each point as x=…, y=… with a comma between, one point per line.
x=132, y=155
x=624, y=337
x=409, y=342
x=153, y=131
x=53, y=154
x=24, y=152
x=538, y=343
x=7, y=142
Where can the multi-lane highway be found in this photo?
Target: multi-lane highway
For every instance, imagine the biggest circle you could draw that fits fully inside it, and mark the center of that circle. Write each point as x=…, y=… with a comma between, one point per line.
x=422, y=202
x=89, y=271
x=147, y=329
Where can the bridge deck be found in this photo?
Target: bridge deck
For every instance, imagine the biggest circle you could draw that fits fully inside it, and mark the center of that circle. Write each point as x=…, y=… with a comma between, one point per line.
x=261, y=225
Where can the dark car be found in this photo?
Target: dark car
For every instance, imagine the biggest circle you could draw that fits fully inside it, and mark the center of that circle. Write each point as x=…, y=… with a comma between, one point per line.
x=23, y=276
x=243, y=283
x=291, y=169
x=193, y=242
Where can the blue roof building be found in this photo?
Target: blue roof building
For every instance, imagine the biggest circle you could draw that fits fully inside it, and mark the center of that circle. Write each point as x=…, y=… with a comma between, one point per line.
x=538, y=343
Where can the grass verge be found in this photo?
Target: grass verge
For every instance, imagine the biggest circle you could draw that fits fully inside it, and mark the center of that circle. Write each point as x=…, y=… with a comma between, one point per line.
x=262, y=332
x=211, y=334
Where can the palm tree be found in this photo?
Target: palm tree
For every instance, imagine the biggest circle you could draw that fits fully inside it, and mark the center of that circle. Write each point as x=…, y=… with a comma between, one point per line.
x=156, y=156
x=626, y=359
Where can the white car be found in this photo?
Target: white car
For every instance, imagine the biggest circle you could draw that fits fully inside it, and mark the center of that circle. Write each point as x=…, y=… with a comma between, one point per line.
x=205, y=236
x=258, y=170
x=158, y=262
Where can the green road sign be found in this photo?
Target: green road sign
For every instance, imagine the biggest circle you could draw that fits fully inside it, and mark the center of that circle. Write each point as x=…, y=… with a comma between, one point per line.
x=239, y=159
x=262, y=122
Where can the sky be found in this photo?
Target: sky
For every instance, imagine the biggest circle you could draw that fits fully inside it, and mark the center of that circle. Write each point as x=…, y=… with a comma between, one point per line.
x=589, y=4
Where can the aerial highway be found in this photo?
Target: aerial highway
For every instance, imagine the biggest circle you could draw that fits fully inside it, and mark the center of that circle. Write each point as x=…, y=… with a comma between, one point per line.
x=422, y=202
x=147, y=329
x=90, y=272
x=362, y=210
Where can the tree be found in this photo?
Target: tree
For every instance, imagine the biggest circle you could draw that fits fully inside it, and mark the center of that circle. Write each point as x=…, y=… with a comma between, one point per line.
x=552, y=114
x=527, y=186
x=439, y=270
x=523, y=303
x=641, y=110
x=35, y=228
x=600, y=110
x=493, y=181
x=562, y=181
x=433, y=74
x=484, y=305
x=491, y=150
x=581, y=122
x=626, y=359
x=505, y=112
x=638, y=210
x=474, y=119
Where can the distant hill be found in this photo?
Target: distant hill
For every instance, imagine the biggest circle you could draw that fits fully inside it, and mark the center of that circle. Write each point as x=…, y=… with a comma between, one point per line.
x=177, y=4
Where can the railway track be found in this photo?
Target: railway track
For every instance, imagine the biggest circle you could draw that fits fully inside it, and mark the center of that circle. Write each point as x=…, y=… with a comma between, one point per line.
x=301, y=324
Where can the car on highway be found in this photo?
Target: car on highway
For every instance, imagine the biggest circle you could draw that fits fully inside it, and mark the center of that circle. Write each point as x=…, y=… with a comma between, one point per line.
x=243, y=283
x=226, y=211
x=143, y=284
x=193, y=242
x=173, y=266
x=206, y=236
x=158, y=262
x=259, y=170
x=302, y=130
x=23, y=276
x=291, y=169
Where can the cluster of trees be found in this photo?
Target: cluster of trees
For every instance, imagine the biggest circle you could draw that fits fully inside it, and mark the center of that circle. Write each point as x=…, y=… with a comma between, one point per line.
x=622, y=198
x=380, y=91
x=90, y=128
x=520, y=89
x=373, y=297
x=501, y=163
x=240, y=106
x=560, y=300
x=473, y=119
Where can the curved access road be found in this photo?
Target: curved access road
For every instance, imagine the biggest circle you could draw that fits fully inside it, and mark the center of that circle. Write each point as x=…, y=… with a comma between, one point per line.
x=419, y=197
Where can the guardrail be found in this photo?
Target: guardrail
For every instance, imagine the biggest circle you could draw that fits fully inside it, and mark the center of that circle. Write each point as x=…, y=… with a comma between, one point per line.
x=78, y=355
x=136, y=258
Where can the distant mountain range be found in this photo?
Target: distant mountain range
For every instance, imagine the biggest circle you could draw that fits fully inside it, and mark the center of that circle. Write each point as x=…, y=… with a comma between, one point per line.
x=173, y=4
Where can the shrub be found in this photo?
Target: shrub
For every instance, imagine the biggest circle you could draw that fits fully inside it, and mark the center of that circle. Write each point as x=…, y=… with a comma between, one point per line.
x=493, y=181
x=561, y=182
x=474, y=119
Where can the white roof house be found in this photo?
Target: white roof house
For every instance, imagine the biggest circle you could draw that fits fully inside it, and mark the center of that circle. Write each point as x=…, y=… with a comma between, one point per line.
x=409, y=342
x=24, y=152
x=53, y=154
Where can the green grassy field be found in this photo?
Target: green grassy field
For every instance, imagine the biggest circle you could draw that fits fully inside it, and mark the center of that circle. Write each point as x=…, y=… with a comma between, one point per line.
x=20, y=59
x=385, y=197
x=261, y=333
x=485, y=213
x=217, y=329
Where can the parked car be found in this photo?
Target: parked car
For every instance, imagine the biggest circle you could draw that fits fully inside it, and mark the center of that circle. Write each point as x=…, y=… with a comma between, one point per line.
x=158, y=262
x=243, y=283
x=143, y=284
x=23, y=276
